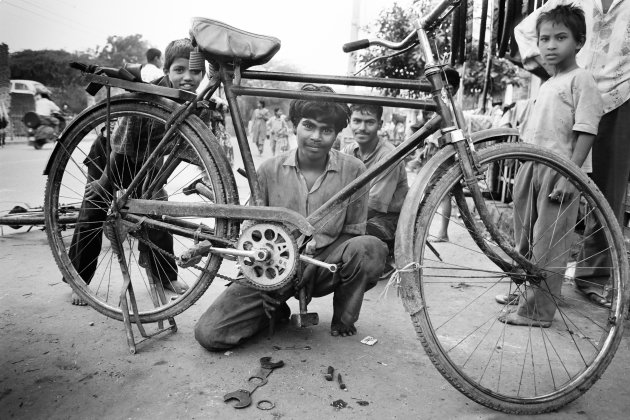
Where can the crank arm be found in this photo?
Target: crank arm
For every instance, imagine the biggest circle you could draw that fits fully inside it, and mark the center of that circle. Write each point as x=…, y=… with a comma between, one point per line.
x=193, y=255
x=330, y=267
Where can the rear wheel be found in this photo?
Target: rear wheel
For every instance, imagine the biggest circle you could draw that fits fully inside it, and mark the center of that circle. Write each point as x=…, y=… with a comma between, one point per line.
x=191, y=169
x=527, y=368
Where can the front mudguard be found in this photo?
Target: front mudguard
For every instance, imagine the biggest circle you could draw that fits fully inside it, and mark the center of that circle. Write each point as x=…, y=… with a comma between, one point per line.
x=403, y=252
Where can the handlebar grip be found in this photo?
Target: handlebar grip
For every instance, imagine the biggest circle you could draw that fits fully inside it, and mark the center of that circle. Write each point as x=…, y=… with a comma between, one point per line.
x=356, y=45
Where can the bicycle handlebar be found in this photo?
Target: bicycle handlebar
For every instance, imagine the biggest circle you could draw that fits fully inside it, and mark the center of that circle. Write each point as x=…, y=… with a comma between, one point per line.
x=364, y=43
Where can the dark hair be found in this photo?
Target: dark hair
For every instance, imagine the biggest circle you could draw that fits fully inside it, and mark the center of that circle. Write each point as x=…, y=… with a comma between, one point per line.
x=262, y=103
x=276, y=109
x=152, y=54
x=336, y=114
x=570, y=16
x=180, y=48
x=372, y=109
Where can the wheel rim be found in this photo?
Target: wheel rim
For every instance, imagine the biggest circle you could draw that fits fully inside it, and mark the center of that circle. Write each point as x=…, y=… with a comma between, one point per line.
x=191, y=178
x=488, y=356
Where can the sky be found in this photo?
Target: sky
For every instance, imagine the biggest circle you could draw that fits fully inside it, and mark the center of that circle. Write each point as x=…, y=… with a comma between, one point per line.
x=311, y=32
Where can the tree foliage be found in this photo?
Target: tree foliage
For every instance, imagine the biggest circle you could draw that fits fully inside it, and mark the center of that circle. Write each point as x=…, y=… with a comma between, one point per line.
x=51, y=67
x=120, y=50
x=395, y=23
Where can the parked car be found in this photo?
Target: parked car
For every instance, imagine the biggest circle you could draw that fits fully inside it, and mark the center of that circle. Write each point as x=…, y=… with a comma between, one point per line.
x=23, y=101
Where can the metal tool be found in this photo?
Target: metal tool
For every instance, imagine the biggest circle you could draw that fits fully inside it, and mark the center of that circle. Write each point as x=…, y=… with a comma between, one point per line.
x=244, y=396
x=342, y=385
x=329, y=374
x=304, y=318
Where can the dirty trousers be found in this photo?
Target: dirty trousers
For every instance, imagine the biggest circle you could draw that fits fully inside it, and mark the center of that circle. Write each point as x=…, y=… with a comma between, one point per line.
x=611, y=172
x=543, y=230
x=238, y=312
x=88, y=233
x=383, y=226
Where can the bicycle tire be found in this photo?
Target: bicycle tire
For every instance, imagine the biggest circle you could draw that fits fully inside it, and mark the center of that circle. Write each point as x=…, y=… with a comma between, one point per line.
x=197, y=158
x=582, y=339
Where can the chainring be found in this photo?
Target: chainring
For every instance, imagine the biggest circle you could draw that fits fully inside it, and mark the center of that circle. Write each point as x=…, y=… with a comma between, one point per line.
x=276, y=271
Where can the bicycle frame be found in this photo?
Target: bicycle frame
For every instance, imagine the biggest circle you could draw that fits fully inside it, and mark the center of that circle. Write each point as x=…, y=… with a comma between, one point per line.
x=449, y=121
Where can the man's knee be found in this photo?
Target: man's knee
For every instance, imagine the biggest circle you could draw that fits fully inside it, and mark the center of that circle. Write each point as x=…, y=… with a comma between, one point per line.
x=207, y=333
x=368, y=251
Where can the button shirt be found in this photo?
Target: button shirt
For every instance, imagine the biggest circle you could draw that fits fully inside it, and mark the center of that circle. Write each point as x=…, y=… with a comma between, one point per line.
x=606, y=53
x=389, y=189
x=282, y=184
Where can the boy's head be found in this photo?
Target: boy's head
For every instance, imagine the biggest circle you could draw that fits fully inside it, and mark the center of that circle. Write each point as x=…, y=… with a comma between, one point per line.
x=365, y=122
x=317, y=123
x=260, y=104
x=277, y=112
x=154, y=56
x=561, y=33
x=176, y=65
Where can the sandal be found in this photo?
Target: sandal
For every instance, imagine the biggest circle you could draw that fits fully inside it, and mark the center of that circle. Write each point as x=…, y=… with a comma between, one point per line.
x=508, y=299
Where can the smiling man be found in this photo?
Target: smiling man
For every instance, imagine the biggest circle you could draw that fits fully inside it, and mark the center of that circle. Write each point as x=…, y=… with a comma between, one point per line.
x=302, y=180
x=389, y=189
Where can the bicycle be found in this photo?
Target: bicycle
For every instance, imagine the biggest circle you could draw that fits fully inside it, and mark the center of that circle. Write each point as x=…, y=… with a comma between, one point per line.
x=511, y=369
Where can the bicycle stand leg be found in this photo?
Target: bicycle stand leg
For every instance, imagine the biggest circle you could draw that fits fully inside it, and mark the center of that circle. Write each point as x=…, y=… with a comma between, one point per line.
x=158, y=295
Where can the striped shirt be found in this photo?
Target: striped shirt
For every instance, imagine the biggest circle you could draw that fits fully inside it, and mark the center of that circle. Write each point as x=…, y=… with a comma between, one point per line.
x=606, y=53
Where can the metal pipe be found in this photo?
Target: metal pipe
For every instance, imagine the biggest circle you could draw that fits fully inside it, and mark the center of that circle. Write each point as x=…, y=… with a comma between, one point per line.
x=333, y=97
x=420, y=85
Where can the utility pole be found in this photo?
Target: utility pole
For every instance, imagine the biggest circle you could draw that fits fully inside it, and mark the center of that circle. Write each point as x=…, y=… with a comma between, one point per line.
x=354, y=35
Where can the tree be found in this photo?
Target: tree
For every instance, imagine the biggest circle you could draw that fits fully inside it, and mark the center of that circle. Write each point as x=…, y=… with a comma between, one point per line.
x=120, y=50
x=51, y=68
x=395, y=23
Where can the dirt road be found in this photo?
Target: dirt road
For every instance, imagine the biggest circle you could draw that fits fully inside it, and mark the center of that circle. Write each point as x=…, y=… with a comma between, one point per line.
x=62, y=361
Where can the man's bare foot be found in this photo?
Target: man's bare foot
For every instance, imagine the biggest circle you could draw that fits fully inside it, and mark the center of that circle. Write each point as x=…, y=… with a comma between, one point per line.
x=342, y=330
x=439, y=238
x=77, y=300
x=512, y=318
x=176, y=286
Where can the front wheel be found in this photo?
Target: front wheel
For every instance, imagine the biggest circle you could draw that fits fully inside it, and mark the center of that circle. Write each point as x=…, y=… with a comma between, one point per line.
x=566, y=341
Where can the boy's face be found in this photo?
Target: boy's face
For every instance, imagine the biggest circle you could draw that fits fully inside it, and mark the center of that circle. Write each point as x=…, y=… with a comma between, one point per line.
x=557, y=43
x=364, y=127
x=314, y=138
x=182, y=77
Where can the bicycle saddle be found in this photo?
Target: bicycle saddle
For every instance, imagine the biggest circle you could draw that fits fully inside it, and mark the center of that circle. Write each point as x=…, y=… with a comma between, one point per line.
x=224, y=43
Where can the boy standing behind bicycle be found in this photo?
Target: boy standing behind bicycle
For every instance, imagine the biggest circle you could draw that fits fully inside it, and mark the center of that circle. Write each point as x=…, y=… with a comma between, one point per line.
x=303, y=180
x=564, y=119
x=131, y=144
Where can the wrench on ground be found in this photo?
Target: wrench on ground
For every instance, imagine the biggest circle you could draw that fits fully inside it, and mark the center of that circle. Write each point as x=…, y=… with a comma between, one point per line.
x=244, y=396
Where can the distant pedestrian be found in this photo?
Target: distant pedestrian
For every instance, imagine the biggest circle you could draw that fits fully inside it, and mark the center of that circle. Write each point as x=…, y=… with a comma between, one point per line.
x=153, y=68
x=4, y=123
x=278, y=130
x=259, y=126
